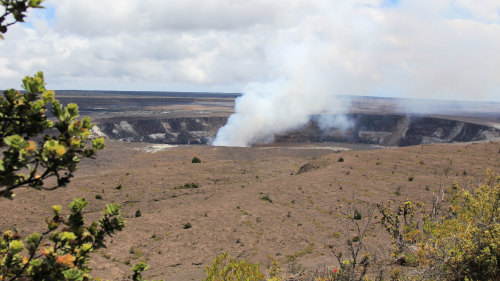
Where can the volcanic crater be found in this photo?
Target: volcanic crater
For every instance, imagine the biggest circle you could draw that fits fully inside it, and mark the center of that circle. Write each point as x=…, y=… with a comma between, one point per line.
x=280, y=199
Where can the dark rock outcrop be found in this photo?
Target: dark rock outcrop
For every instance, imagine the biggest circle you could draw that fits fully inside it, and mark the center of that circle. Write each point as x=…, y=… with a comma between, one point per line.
x=394, y=130
x=387, y=130
x=199, y=130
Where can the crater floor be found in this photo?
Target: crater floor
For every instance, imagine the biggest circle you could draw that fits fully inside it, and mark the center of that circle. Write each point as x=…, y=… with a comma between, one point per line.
x=305, y=185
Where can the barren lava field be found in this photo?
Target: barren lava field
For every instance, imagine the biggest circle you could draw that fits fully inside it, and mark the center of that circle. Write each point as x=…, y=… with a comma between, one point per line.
x=251, y=202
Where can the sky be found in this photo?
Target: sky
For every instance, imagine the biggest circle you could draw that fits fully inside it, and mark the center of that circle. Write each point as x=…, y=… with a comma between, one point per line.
x=438, y=49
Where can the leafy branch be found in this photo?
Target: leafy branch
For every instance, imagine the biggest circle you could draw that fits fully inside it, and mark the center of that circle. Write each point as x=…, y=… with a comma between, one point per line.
x=30, y=141
x=68, y=243
x=15, y=11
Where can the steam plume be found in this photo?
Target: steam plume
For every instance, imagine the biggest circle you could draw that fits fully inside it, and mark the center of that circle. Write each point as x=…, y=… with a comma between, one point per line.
x=276, y=107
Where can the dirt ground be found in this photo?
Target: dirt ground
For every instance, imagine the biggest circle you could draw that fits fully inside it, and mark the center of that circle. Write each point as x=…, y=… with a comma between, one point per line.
x=251, y=202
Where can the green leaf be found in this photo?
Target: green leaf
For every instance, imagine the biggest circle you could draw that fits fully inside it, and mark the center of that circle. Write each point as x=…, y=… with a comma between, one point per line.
x=48, y=97
x=73, y=274
x=140, y=267
x=67, y=236
x=57, y=209
x=14, y=141
x=113, y=209
x=34, y=84
x=33, y=238
x=16, y=246
x=72, y=110
x=35, y=3
x=86, y=123
x=75, y=143
x=78, y=204
x=57, y=109
x=98, y=143
x=54, y=148
x=36, y=263
x=86, y=247
x=52, y=225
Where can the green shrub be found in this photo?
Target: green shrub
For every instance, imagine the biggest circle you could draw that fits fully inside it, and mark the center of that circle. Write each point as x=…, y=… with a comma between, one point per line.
x=341, y=159
x=62, y=251
x=196, y=160
x=138, y=269
x=398, y=190
x=188, y=186
x=464, y=244
x=228, y=269
x=357, y=215
x=22, y=120
x=266, y=198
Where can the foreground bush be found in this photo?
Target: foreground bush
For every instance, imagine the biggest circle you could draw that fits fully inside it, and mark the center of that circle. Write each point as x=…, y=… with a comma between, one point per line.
x=464, y=244
x=62, y=251
x=225, y=268
x=35, y=148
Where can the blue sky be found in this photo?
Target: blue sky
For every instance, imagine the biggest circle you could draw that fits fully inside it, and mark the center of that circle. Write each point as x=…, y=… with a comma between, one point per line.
x=445, y=49
x=391, y=3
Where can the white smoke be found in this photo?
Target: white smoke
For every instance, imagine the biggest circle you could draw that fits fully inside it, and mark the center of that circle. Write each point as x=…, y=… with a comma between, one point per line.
x=314, y=65
x=276, y=107
x=329, y=121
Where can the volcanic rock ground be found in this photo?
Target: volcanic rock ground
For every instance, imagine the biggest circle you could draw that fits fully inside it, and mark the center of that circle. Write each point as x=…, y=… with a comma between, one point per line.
x=230, y=211
x=227, y=212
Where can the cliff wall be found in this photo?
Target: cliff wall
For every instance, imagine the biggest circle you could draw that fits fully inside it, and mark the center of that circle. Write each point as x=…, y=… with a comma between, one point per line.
x=387, y=130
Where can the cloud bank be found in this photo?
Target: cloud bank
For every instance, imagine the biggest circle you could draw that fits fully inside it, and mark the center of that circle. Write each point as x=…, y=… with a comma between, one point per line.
x=434, y=49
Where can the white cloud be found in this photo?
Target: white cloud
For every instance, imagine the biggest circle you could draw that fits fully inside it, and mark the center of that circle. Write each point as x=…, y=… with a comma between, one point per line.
x=425, y=48
x=89, y=17
x=482, y=10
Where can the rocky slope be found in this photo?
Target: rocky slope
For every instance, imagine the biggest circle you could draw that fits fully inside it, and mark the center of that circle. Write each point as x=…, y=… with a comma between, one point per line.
x=199, y=130
x=387, y=130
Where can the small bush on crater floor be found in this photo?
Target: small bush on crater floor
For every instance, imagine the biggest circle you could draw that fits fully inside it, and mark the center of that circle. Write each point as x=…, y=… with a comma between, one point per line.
x=357, y=215
x=266, y=198
x=398, y=190
x=188, y=186
x=196, y=160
